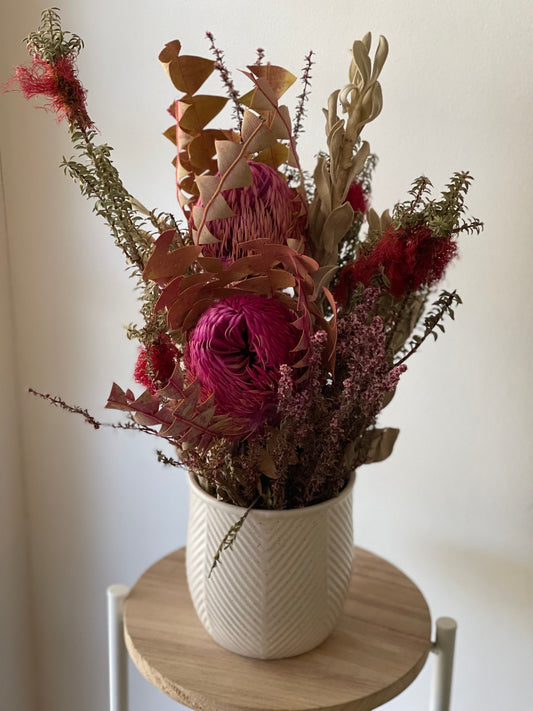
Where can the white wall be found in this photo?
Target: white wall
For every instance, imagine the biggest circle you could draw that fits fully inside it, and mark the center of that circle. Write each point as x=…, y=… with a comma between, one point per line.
x=17, y=662
x=453, y=506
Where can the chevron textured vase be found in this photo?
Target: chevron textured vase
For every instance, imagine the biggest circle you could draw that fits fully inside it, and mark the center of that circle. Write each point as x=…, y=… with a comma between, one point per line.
x=281, y=588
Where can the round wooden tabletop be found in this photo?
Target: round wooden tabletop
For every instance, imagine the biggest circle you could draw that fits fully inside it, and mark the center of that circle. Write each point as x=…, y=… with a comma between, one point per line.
x=378, y=648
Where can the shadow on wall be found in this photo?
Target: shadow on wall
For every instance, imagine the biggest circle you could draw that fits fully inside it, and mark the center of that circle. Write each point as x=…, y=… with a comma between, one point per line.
x=493, y=578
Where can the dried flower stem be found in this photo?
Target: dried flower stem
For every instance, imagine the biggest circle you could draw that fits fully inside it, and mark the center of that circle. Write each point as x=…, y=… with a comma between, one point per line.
x=304, y=96
x=90, y=419
x=227, y=80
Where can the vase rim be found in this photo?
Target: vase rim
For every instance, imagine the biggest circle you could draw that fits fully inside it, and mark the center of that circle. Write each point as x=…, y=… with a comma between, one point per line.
x=268, y=513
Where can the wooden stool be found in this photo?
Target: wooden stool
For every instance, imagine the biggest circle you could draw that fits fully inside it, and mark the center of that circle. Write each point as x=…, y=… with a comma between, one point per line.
x=378, y=648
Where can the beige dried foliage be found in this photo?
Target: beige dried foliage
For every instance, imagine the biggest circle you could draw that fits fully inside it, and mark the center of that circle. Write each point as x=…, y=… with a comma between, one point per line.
x=361, y=101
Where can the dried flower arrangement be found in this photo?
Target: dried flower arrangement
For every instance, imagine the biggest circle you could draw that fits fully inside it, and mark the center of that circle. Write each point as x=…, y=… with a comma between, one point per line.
x=275, y=327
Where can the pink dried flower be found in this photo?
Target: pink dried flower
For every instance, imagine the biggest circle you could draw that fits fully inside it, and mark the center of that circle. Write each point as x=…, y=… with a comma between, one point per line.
x=266, y=209
x=155, y=364
x=58, y=82
x=357, y=197
x=410, y=258
x=236, y=350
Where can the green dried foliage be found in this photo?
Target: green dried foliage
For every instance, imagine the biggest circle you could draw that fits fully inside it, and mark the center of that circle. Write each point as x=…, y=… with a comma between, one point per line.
x=442, y=216
x=99, y=181
x=229, y=539
x=441, y=308
x=49, y=41
x=168, y=461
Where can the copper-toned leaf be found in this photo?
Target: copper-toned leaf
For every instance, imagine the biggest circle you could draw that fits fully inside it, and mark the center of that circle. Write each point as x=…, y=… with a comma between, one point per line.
x=217, y=209
x=274, y=156
x=211, y=264
x=164, y=265
x=262, y=139
x=251, y=124
x=228, y=155
x=169, y=52
x=207, y=185
x=183, y=139
x=188, y=73
x=256, y=100
x=274, y=279
x=280, y=125
x=279, y=79
x=202, y=151
x=172, y=291
x=170, y=133
x=198, y=111
x=245, y=148
x=233, y=165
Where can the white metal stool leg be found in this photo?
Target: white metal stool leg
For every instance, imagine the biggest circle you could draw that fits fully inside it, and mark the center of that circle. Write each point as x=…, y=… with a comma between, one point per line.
x=118, y=656
x=443, y=647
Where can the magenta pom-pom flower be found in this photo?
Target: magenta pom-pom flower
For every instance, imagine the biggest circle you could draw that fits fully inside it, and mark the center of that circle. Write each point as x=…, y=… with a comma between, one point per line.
x=235, y=352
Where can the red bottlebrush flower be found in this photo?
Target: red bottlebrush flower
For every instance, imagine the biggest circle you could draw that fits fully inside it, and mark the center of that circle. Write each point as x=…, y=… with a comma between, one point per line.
x=235, y=352
x=409, y=258
x=266, y=209
x=156, y=364
x=58, y=81
x=357, y=198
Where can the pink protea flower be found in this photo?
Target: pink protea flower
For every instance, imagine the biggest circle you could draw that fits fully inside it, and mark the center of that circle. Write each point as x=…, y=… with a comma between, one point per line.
x=266, y=209
x=235, y=351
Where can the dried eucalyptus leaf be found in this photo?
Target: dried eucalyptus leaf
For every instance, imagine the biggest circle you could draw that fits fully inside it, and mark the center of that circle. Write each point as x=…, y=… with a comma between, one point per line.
x=188, y=73
x=280, y=126
x=199, y=111
x=169, y=52
x=278, y=78
x=256, y=100
x=250, y=123
x=274, y=156
x=218, y=209
x=228, y=153
x=207, y=185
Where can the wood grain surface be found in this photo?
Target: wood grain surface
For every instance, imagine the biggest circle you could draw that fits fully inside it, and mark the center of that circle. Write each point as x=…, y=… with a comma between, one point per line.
x=379, y=647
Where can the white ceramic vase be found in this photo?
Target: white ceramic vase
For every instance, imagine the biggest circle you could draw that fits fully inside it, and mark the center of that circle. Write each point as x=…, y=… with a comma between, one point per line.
x=280, y=589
